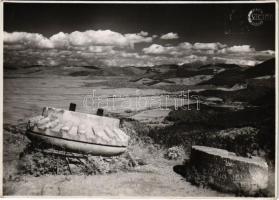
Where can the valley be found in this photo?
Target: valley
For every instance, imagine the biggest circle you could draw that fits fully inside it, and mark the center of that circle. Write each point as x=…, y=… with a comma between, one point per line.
x=149, y=100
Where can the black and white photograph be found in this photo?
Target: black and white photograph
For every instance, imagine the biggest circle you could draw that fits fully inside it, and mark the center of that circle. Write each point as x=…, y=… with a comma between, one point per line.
x=139, y=99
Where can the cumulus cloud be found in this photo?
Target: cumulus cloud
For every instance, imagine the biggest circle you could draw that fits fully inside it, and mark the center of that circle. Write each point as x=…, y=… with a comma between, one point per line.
x=103, y=37
x=76, y=38
x=143, y=33
x=241, y=48
x=134, y=38
x=208, y=46
x=238, y=61
x=60, y=40
x=169, y=36
x=28, y=40
x=192, y=59
x=181, y=49
x=186, y=45
x=243, y=55
x=107, y=47
x=185, y=48
x=158, y=49
x=101, y=49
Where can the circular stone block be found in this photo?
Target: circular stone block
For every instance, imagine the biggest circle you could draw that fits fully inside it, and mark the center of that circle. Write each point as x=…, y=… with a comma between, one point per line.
x=229, y=173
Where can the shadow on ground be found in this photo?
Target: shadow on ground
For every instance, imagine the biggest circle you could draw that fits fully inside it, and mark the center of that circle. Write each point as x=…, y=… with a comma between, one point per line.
x=181, y=170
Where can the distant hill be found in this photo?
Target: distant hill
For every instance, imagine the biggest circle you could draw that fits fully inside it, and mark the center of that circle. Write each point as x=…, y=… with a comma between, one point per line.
x=107, y=71
x=236, y=74
x=91, y=67
x=224, y=74
x=185, y=72
x=160, y=72
x=219, y=66
x=227, y=78
x=263, y=69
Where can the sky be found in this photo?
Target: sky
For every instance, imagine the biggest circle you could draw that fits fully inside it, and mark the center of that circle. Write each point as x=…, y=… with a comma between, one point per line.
x=136, y=34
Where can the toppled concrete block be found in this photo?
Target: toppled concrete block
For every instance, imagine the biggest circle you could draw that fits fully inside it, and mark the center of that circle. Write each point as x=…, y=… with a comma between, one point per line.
x=227, y=172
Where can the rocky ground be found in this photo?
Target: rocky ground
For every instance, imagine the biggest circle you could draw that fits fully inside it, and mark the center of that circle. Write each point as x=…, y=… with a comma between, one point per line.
x=143, y=172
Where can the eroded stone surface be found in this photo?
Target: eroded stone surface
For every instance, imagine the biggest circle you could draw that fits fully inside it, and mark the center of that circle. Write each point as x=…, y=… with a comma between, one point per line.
x=79, y=126
x=227, y=172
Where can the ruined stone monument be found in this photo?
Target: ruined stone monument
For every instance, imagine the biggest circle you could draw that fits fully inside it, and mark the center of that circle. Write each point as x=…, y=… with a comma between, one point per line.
x=227, y=172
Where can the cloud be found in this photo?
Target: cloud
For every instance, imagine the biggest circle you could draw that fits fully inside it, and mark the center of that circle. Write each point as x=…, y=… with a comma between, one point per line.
x=184, y=48
x=76, y=39
x=192, y=59
x=107, y=47
x=99, y=37
x=268, y=52
x=158, y=49
x=181, y=49
x=135, y=59
x=143, y=33
x=128, y=59
x=169, y=36
x=241, y=48
x=208, y=46
x=28, y=40
x=237, y=61
x=101, y=49
x=185, y=45
x=134, y=38
x=211, y=52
